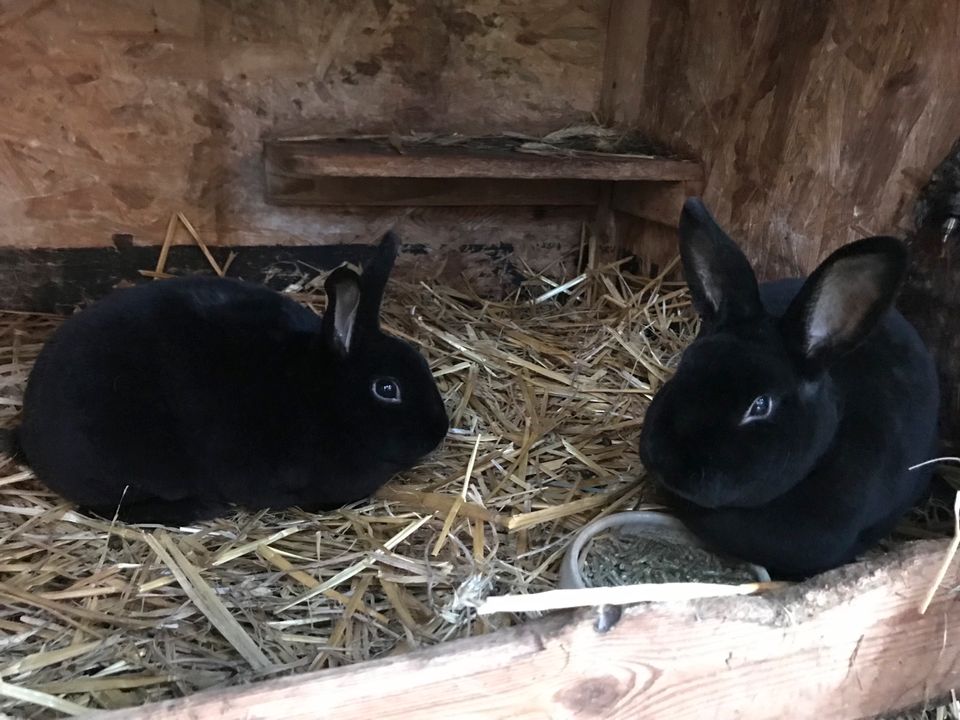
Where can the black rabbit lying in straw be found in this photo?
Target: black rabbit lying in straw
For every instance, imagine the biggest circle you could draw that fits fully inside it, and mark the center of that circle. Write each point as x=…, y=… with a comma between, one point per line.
x=786, y=435
x=174, y=400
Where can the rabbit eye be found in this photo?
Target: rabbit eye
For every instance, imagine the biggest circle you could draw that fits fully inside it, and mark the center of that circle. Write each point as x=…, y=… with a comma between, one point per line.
x=386, y=389
x=760, y=408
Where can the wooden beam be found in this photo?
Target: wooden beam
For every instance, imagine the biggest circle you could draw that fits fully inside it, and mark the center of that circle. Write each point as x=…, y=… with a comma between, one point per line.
x=360, y=158
x=424, y=192
x=625, y=57
x=849, y=644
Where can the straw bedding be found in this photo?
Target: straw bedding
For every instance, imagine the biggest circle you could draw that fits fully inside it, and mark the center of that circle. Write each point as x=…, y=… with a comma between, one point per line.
x=546, y=392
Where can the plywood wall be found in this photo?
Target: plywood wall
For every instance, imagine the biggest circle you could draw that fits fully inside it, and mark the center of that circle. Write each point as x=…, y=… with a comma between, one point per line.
x=117, y=112
x=817, y=121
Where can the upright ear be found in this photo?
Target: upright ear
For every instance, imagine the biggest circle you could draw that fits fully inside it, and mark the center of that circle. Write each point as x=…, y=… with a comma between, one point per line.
x=374, y=280
x=843, y=300
x=722, y=284
x=340, y=319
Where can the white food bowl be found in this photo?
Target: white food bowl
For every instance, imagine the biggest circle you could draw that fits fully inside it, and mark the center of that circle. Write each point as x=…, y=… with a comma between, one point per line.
x=638, y=522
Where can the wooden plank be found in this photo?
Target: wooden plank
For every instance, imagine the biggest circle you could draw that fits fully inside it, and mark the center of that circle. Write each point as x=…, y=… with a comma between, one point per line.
x=625, y=57
x=848, y=644
x=484, y=249
x=360, y=158
x=413, y=192
x=58, y=281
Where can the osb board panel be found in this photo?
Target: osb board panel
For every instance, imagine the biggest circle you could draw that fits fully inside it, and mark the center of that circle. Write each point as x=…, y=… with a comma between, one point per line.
x=117, y=112
x=95, y=137
x=816, y=121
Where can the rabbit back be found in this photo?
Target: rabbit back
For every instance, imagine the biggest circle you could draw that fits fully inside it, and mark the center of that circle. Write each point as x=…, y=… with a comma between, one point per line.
x=181, y=390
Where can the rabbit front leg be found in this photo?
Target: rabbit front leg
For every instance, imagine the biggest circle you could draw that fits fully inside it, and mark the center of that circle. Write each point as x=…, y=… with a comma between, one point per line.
x=790, y=545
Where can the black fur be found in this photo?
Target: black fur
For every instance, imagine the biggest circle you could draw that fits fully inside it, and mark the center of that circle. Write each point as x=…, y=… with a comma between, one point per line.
x=176, y=399
x=855, y=396
x=9, y=442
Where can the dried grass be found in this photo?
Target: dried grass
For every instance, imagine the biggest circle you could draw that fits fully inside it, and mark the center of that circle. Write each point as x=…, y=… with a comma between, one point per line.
x=546, y=394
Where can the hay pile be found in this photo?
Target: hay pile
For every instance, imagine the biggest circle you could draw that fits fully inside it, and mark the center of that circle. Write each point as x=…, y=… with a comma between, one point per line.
x=546, y=395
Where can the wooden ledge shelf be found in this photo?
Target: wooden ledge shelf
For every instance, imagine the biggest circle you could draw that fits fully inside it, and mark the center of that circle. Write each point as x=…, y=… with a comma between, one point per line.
x=352, y=172
x=848, y=644
x=358, y=158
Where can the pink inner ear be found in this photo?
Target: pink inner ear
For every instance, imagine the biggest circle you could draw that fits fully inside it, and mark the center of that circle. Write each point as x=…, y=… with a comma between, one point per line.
x=845, y=297
x=711, y=288
x=345, y=312
x=712, y=291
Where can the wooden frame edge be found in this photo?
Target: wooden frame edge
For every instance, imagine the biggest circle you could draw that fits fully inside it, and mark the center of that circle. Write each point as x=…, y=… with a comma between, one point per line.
x=850, y=643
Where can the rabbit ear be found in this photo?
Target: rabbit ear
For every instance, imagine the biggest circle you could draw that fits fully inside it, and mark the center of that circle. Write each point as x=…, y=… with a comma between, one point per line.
x=843, y=300
x=340, y=319
x=722, y=283
x=374, y=280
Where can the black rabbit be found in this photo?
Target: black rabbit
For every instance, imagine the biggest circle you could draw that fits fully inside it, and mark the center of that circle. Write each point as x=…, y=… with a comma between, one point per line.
x=171, y=401
x=786, y=434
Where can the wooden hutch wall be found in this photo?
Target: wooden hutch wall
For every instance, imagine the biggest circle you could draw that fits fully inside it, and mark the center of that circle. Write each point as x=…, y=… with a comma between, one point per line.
x=118, y=112
x=816, y=121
